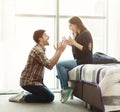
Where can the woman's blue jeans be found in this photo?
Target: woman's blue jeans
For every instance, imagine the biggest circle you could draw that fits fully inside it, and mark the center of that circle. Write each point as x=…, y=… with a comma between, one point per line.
x=39, y=94
x=62, y=69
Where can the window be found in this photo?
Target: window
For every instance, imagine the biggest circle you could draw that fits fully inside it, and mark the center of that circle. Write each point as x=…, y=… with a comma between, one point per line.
x=23, y=17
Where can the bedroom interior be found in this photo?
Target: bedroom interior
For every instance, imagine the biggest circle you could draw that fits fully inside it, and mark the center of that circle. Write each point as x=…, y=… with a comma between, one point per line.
x=18, y=20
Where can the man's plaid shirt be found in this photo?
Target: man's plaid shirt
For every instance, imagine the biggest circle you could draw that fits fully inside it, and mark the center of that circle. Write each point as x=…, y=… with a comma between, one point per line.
x=33, y=72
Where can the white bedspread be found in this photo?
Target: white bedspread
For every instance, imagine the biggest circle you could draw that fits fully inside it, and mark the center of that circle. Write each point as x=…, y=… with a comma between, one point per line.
x=107, y=76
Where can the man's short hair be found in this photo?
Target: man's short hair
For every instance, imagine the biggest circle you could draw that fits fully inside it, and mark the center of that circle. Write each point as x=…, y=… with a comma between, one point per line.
x=38, y=34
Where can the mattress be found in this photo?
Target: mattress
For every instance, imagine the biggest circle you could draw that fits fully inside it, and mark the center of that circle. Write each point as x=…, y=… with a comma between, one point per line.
x=106, y=76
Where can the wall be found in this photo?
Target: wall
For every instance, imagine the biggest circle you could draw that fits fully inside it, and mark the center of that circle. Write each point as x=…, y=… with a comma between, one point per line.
x=114, y=28
x=1, y=9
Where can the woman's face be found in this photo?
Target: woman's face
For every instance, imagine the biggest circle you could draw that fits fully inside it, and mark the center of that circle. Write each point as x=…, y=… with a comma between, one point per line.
x=73, y=27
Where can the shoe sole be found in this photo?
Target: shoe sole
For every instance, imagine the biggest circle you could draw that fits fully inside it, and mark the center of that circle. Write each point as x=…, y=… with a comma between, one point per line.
x=14, y=98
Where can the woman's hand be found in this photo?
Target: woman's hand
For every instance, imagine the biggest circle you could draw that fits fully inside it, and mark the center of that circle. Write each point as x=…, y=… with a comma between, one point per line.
x=71, y=41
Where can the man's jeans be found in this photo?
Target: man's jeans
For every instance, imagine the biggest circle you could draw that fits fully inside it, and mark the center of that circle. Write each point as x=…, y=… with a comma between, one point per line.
x=62, y=69
x=38, y=94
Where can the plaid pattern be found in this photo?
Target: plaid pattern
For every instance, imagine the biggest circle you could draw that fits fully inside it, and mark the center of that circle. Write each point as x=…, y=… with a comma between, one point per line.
x=33, y=72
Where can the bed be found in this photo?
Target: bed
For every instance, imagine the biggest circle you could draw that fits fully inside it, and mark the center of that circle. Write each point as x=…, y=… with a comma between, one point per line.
x=97, y=85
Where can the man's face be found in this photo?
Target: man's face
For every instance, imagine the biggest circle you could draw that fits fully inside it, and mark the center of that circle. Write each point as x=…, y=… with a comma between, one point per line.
x=45, y=39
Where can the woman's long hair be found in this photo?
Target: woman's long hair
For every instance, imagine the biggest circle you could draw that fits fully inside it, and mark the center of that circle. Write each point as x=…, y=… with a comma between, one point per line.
x=77, y=21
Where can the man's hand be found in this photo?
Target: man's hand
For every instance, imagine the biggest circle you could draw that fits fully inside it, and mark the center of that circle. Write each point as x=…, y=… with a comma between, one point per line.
x=60, y=46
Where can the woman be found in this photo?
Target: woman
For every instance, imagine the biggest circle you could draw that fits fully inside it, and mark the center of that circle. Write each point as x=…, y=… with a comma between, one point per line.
x=82, y=45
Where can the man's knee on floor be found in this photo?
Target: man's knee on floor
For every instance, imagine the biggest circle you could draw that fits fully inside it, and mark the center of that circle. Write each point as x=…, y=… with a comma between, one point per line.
x=51, y=98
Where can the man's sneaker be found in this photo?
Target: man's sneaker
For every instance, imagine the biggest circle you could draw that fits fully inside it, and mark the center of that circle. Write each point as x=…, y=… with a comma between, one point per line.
x=66, y=94
x=17, y=98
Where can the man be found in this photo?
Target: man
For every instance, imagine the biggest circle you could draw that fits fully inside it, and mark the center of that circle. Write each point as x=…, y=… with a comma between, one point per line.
x=33, y=74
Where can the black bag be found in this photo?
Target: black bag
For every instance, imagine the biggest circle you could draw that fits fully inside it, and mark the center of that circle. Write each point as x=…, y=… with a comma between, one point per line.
x=101, y=58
